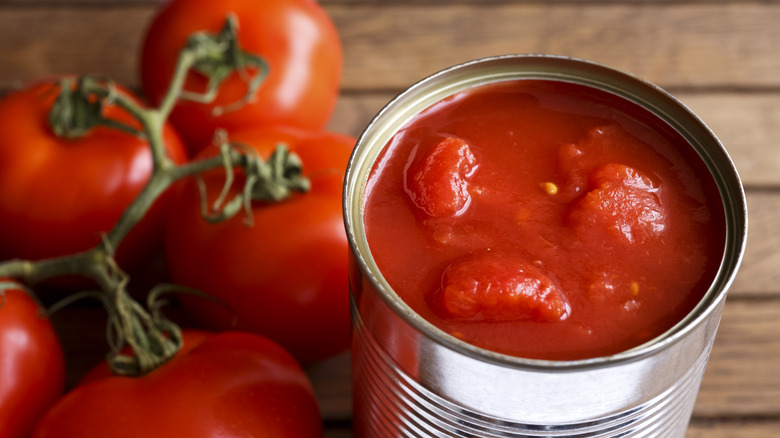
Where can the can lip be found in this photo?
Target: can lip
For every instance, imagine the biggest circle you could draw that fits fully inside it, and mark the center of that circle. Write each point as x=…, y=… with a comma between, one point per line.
x=565, y=68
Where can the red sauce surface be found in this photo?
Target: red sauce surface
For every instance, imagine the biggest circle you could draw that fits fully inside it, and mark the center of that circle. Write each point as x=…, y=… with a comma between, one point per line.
x=544, y=220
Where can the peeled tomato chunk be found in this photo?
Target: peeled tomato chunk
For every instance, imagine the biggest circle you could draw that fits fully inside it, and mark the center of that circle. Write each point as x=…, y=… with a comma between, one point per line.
x=500, y=288
x=437, y=182
x=623, y=203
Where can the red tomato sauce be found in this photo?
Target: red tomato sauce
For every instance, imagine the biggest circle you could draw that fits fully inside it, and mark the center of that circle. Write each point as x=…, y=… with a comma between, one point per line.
x=545, y=220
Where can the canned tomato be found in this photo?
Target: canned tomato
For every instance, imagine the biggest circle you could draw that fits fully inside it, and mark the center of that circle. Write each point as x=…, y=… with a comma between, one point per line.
x=540, y=247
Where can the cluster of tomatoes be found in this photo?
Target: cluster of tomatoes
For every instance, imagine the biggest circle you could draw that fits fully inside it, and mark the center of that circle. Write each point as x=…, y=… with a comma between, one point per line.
x=284, y=278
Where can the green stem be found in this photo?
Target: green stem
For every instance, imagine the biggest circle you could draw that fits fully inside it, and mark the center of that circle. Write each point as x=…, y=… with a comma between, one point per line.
x=157, y=184
x=187, y=58
x=153, y=338
x=34, y=272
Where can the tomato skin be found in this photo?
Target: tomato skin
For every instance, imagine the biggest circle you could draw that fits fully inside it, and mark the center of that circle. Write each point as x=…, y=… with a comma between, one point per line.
x=285, y=277
x=297, y=39
x=229, y=385
x=32, y=369
x=58, y=195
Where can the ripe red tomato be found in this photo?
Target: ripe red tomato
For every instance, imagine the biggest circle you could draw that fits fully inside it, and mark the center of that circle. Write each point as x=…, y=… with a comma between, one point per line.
x=230, y=384
x=297, y=39
x=285, y=277
x=57, y=195
x=32, y=365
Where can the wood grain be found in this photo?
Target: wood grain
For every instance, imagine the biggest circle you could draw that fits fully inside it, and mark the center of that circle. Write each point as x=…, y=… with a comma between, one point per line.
x=730, y=115
x=746, y=123
x=110, y=3
x=741, y=429
x=38, y=42
x=742, y=377
x=389, y=46
x=674, y=45
x=719, y=57
x=748, y=335
x=759, y=274
x=737, y=429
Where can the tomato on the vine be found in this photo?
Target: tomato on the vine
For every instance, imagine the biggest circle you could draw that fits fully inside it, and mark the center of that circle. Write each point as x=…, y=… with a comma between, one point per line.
x=57, y=195
x=230, y=384
x=32, y=365
x=285, y=275
x=297, y=39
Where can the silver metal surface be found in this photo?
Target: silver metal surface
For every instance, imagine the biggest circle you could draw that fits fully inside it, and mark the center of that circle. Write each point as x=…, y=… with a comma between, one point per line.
x=413, y=380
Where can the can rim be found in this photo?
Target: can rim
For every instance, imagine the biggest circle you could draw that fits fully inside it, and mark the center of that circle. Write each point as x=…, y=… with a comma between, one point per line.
x=565, y=68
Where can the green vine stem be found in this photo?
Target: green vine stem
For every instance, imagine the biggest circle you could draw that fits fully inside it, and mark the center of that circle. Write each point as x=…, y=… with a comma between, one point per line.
x=152, y=338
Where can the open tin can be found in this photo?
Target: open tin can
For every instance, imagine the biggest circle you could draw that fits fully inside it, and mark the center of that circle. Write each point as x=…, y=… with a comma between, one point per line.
x=411, y=379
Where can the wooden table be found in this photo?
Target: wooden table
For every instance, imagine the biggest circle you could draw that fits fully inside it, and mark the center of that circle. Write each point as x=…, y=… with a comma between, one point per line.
x=721, y=57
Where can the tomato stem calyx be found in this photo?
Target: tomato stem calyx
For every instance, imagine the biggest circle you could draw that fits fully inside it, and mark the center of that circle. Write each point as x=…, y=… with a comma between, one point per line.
x=77, y=109
x=273, y=180
x=217, y=56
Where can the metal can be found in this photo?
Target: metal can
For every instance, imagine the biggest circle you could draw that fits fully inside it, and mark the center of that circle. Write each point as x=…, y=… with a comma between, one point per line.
x=411, y=379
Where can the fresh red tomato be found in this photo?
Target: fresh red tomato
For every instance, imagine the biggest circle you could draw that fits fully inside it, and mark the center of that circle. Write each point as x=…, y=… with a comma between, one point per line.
x=296, y=38
x=58, y=195
x=285, y=276
x=229, y=385
x=32, y=365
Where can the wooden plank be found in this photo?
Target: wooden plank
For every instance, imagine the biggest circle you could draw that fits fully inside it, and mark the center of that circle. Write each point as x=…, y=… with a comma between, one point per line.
x=338, y=432
x=354, y=111
x=746, y=124
x=672, y=45
x=730, y=390
x=730, y=115
x=747, y=335
x=92, y=3
x=738, y=429
x=49, y=41
x=742, y=377
x=741, y=380
x=759, y=274
x=332, y=381
x=110, y=3
x=734, y=429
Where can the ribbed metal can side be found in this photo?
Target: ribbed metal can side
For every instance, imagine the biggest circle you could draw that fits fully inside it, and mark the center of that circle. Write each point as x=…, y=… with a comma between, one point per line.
x=392, y=402
x=410, y=379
